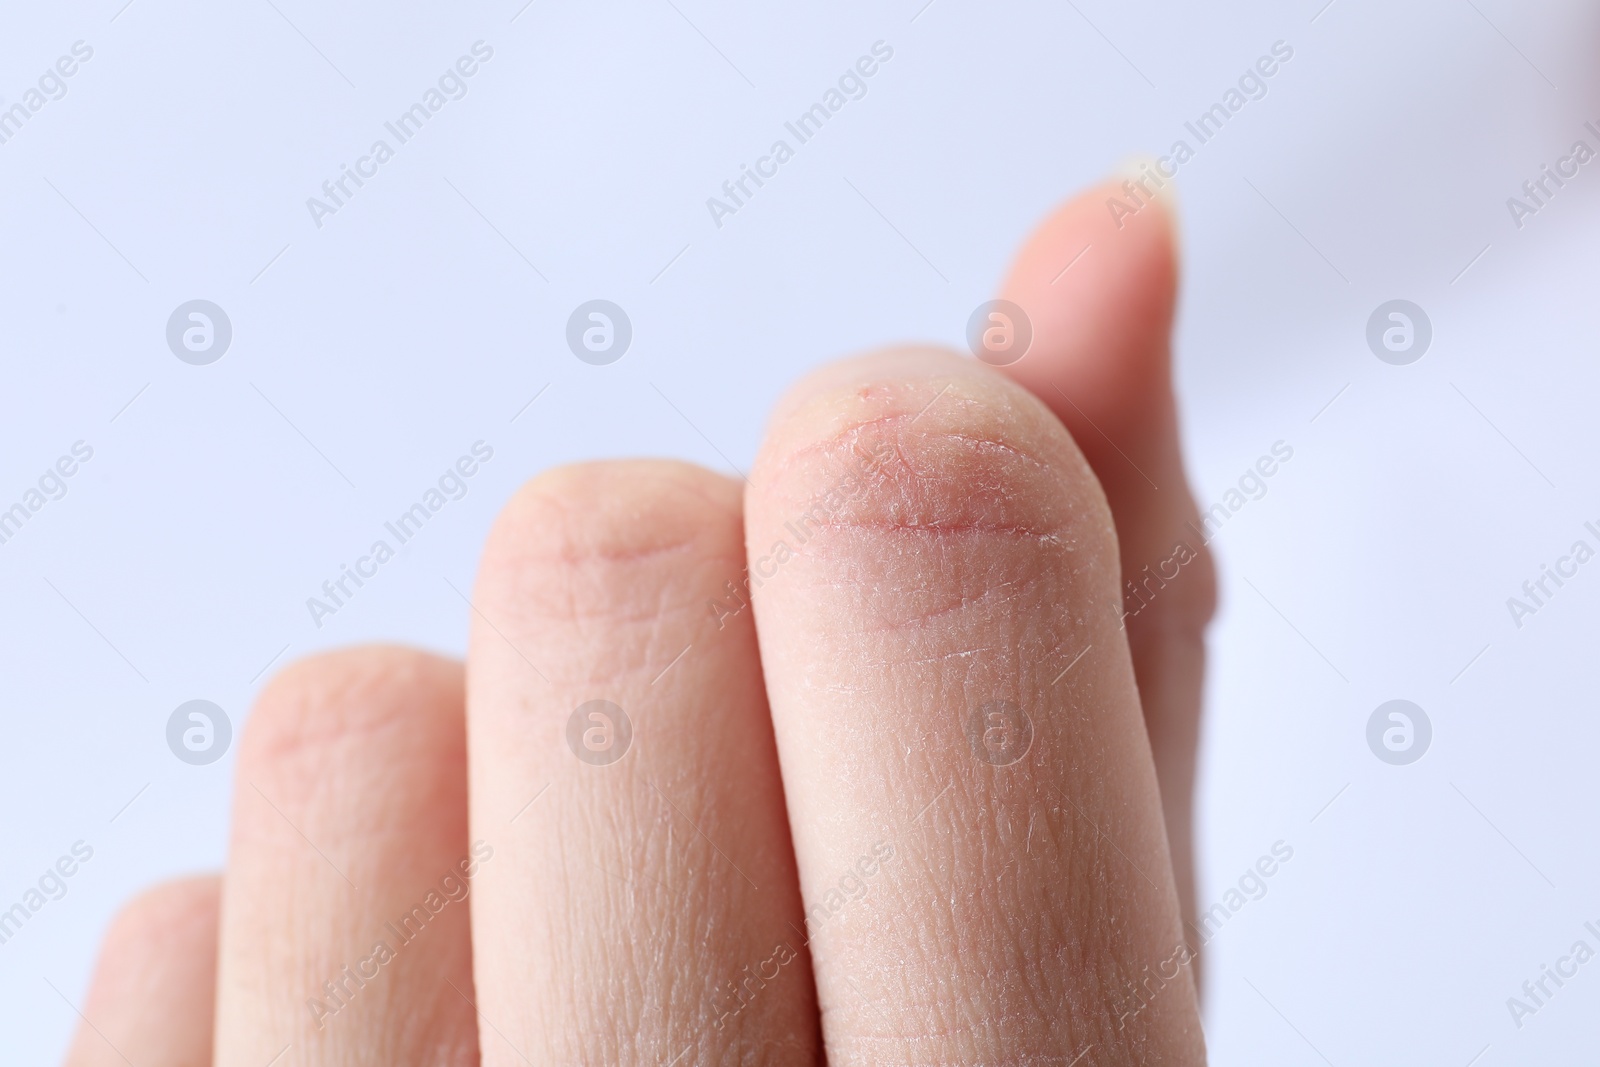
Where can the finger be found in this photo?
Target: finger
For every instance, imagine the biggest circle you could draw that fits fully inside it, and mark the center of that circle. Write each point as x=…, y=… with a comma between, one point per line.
x=154, y=988
x=1100, y=359
x=643, y=908
x=949, y=683
x=344, y=906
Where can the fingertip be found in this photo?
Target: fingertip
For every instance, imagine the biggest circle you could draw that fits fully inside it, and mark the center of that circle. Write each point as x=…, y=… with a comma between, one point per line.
x=950, y=443
x=1098, y=280
x=946, y=640
x=162, y=922
x=152, y=997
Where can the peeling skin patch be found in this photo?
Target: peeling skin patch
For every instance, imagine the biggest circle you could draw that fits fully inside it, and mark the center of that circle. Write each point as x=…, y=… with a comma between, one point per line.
x=971, y=456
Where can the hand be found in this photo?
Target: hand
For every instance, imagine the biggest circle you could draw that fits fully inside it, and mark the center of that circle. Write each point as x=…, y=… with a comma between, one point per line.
x=888, y=797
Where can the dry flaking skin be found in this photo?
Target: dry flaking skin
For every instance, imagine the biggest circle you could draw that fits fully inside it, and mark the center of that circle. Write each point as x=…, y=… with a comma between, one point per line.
x=978, y=564
x=915, y=821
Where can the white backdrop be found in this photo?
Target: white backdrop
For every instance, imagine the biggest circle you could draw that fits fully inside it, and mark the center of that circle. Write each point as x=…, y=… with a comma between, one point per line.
x=367, y=354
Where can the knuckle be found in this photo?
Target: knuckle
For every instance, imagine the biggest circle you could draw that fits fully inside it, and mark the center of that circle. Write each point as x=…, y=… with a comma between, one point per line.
x=929, y=445
x=176, y=912
x=611, y=539
x=321, y=710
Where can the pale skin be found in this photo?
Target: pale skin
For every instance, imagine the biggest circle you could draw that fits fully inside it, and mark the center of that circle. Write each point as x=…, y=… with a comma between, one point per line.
x=807, y=852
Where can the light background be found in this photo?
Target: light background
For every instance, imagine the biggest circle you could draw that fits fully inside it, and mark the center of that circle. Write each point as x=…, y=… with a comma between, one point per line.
x=371, y=353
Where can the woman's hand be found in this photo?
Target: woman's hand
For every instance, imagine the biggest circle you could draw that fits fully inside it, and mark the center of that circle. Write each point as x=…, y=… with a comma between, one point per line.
x=886, y=797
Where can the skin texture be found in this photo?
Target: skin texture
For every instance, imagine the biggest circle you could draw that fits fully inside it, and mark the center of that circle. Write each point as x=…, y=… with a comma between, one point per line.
x=959, y=552
x=624, y=901
x=347, y=814
x=908, y=779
